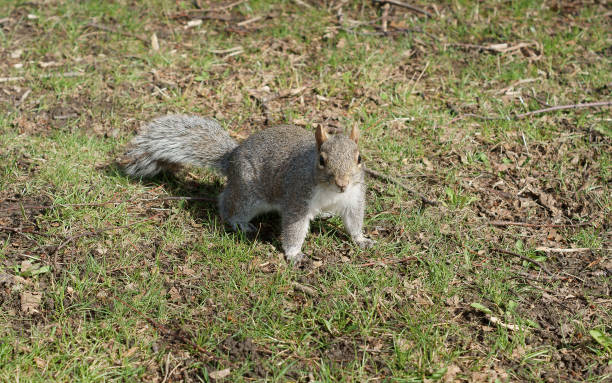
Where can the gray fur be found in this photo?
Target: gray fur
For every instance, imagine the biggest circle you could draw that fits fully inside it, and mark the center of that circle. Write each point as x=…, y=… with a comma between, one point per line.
x=276, y=169
x=179, y=140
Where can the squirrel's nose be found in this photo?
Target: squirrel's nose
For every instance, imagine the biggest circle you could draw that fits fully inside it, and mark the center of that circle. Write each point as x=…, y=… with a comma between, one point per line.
x=342, y=184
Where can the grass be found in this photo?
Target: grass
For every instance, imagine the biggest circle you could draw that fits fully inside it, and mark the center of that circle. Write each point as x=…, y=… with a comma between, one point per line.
x=417, y=307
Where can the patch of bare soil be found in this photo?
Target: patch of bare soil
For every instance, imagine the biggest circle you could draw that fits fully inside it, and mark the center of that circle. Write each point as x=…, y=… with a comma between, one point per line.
x=526, y=200
x=21, y=291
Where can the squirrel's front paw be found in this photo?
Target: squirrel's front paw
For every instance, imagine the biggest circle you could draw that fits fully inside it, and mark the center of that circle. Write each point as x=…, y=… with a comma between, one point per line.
x=245, y=227
x=296, y=259
x=364, y=242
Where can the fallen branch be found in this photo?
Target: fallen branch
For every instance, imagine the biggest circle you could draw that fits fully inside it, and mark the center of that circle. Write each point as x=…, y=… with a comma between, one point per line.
x=525, y=224
x=524, y=258
x=390, y=179
x=564, y=107
x=404, y=5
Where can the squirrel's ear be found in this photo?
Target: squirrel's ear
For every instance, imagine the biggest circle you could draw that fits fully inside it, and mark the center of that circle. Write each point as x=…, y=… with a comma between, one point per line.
x=321, y=136
x=354, y=134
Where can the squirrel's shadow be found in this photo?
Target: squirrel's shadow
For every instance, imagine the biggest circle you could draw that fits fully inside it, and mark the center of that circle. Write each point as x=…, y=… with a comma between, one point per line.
x=203, y=207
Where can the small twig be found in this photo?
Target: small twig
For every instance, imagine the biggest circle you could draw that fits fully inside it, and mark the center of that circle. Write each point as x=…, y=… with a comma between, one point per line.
x=474, y=46
x=525, y=144
x=385, y=16
x=226, y=7
x=11, y=79
x=387, y=261
x=66, y=74
x=166, y=331
x=404, y=5
x=564, y=107
x=540, y=101
x=419, y=78
x=524, y=258
x=116, y=31
x=23, y=97
x=49, y=75
x=263, y=104
x=263, y=101
x=525, y=224
x=573, y=276
x=249, y=21
x=538, y=278
x=225, y=51
x=302, y=3
x=539, y=111
x=390, y=179
x=22, y=231
x=180, y=198
x=563, y=251
x=218, y=9
x=66, y=116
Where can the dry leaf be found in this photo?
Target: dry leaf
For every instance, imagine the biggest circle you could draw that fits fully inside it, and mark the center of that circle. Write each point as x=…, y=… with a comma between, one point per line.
x=30, y=302
x=26, y=266
x=154, y=42
x=451, y=373
x=130, y=352
x=175, y=295
x=404, y=345
x=220, y=374
x=194, y=23
x=40, y=363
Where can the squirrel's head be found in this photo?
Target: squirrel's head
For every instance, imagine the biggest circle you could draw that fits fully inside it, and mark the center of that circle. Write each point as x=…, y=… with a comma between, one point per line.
x=339, y=161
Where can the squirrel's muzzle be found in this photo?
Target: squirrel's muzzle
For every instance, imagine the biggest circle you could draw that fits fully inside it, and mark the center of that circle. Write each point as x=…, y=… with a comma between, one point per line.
x=342, y=183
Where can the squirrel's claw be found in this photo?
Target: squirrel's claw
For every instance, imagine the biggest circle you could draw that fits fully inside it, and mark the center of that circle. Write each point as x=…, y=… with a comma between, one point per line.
x=245, y=227
x=297, y=259
x=365, y=243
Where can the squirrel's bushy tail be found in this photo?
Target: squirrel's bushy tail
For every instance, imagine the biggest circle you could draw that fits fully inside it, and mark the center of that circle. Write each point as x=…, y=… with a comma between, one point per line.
x=178, y=140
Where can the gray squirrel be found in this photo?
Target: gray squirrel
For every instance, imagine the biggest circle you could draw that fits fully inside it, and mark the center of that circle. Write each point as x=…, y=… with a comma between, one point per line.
x=283, y=168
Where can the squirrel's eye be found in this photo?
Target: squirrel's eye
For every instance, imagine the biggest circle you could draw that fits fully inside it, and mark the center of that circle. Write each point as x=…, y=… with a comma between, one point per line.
x=321, y=161
x=359, y=159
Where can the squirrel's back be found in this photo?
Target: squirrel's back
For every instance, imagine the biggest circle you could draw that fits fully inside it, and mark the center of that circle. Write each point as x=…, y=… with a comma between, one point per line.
x=179, y=140
x=270, y=158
